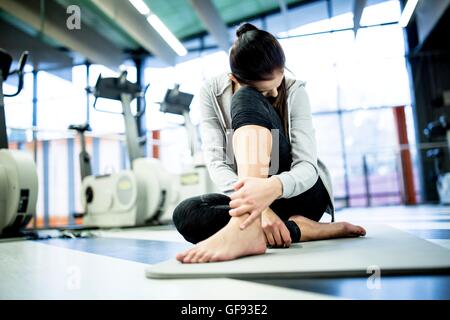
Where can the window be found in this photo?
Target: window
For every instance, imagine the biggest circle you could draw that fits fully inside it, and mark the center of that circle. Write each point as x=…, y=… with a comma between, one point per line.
x=104, y=122
x=309, y=59
x=19, y=109
x=190, y=75
x=330, y=149
x=362, y=73
x=60, y=103
x=372, y=156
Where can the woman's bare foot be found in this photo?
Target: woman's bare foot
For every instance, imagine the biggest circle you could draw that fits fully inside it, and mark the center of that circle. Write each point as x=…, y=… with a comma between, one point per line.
x=228, y=243
x=312, y=230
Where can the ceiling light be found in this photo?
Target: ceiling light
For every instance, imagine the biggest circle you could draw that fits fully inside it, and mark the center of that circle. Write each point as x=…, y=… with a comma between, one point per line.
x=407, y=12
x=140, y=6
x=165, y=33
x=159, y=26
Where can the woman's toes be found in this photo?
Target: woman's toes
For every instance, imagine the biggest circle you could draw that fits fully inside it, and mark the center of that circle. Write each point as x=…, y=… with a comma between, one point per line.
x=353, y=230
x=180, y=256
x=362, y=231
x=197, y=256
x=347, y=227
x=189, y=256
x=204, y=258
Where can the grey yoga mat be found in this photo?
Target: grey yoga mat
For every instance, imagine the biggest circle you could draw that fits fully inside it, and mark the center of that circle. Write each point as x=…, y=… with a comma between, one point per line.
x=385, y=249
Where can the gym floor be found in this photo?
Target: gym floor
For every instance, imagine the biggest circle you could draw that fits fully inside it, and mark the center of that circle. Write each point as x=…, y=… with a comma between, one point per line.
x=111, y=266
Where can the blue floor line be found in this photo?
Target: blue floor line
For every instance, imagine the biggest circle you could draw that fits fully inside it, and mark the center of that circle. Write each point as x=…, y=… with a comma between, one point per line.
x=144, y=251
x=442, y=234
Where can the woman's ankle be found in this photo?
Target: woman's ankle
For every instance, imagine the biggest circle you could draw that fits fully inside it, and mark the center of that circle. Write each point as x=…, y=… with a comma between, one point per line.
x=239, y=220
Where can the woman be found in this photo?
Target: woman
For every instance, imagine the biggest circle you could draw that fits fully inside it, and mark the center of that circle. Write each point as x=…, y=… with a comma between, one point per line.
x=280, y=189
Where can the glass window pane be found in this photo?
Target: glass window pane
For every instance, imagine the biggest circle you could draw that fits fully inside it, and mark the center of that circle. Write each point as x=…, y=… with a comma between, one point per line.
x=305, y=19
x=372, y=71
x=342, y=14
x=60, y=103
x=310, y=60
x=19, y=109
x=372, y=156
x=105, y=122
x=377, y=13
x=190, y=75
x=329, y=149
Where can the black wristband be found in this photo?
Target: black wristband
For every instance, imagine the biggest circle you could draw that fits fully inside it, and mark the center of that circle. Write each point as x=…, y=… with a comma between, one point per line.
x=294, y=231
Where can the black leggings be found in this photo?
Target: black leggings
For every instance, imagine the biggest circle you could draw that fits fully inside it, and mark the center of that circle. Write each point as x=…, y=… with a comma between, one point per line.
x=200, y=217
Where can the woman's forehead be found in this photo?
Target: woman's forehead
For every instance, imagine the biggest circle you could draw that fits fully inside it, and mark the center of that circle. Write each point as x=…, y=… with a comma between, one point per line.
x=272, y=83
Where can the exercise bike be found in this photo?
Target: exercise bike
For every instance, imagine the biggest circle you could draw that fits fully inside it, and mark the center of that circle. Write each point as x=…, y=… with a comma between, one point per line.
x=84, y=157
x=195, y=180
x=144, y=194
x=147, y=193
x=18, y=173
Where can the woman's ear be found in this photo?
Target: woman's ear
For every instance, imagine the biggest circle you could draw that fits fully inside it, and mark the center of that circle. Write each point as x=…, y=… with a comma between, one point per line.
x=233, y=78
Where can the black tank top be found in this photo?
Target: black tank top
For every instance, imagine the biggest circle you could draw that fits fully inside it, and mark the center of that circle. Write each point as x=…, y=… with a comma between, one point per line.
x=250, y=107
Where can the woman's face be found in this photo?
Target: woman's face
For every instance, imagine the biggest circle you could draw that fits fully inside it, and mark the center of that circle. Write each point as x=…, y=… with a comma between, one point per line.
x=268, y=88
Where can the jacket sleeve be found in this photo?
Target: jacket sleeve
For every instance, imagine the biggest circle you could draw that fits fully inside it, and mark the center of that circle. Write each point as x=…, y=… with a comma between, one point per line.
x=214, y=142
x=304, y=171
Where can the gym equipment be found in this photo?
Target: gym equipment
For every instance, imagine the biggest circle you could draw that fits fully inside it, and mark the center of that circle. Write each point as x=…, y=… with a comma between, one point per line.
x=385, y=249
x=437, y=129
x=130, y=197
x=147, y=193
x=18, y=174
x=84, y=157
x=196, y=180
x=177, y=102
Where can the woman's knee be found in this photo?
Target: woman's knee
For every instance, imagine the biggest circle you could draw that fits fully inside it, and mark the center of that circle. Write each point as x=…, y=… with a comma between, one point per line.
x=185, y=212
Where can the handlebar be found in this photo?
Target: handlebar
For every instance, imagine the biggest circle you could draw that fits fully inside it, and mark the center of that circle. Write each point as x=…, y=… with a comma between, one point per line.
x=22, y=61
x=113, y=88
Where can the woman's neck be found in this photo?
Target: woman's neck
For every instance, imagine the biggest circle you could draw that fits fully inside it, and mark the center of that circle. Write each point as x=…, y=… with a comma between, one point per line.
x=234, y=87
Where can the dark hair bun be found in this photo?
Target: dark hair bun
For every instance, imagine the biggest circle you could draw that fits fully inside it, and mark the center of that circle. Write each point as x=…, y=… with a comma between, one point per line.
x=243, y=28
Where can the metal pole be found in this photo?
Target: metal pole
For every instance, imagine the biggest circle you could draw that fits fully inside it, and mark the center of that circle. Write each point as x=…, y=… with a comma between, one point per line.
x=140, y=120
x=34, y=119
x=3, y=131
x=88, y=96
x=407, y=170
x=34, y=124
x=132, y=137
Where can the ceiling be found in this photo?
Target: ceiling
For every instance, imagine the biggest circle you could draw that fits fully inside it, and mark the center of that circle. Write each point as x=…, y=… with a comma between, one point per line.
x=113, y=28
x=182, y=20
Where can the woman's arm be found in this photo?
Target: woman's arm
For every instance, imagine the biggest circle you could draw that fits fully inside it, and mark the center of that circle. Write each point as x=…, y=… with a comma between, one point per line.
x=252, y=146
x=214, y=142
x=303, y=173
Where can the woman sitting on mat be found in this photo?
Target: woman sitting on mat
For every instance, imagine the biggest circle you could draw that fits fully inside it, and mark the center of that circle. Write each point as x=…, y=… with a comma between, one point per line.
x=280, y=188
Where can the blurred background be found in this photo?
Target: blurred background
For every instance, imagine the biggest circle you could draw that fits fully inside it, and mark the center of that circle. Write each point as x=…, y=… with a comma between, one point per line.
x=378, y=81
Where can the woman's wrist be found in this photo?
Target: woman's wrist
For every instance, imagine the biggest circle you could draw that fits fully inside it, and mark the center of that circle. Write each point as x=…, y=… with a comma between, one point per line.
x=276, y=186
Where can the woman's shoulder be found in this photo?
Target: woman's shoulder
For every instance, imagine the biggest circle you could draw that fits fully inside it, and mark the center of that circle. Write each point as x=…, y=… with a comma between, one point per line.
x=249, y=100
x=294, y=84
x=298, y=100
x=216, y=85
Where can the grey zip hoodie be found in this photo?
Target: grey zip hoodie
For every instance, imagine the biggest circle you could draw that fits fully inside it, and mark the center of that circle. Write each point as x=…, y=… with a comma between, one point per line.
x=215, y=101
